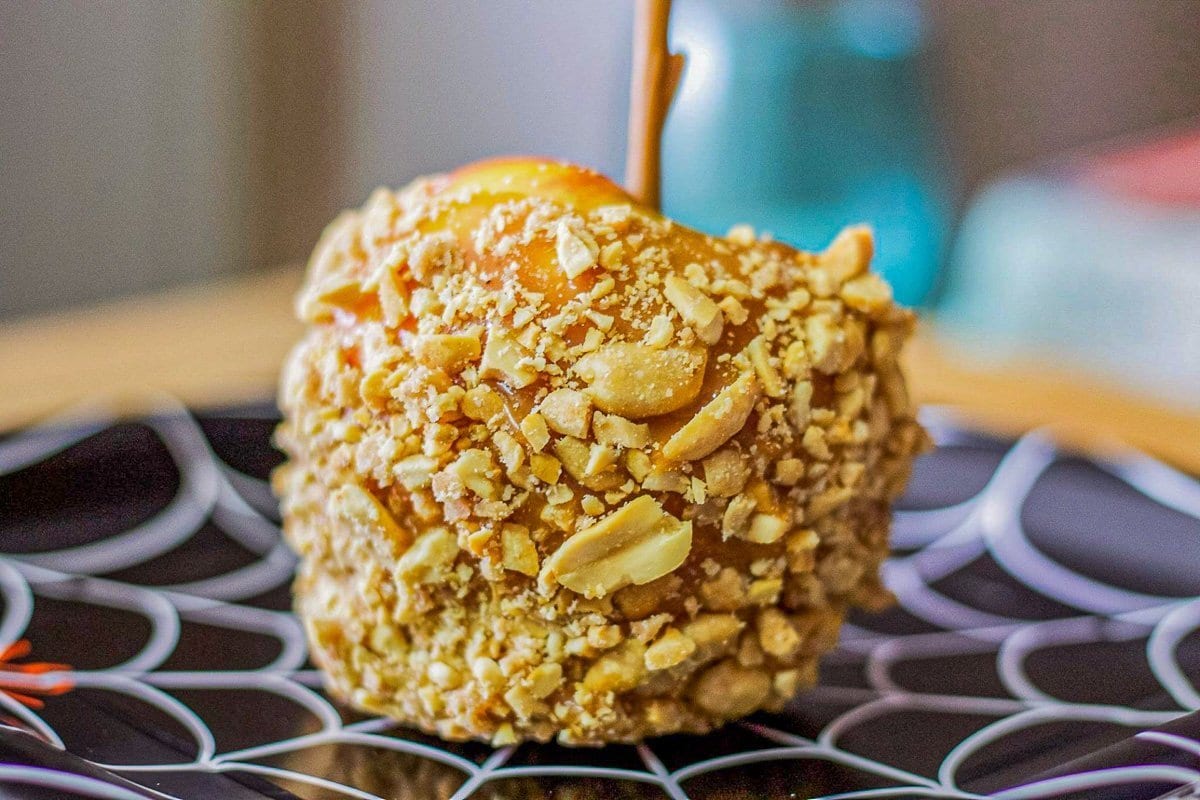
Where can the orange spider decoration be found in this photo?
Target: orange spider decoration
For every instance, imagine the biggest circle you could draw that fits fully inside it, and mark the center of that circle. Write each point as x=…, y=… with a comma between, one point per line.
x=20, y=649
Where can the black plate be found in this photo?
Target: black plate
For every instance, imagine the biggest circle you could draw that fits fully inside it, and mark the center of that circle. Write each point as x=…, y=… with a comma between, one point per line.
x=1048, y=615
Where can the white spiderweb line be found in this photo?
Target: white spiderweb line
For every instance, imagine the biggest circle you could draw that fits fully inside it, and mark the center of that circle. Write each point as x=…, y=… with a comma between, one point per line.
x=944, y=540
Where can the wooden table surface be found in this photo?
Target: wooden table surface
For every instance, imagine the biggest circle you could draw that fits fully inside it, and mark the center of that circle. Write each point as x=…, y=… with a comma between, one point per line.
x=223, y=343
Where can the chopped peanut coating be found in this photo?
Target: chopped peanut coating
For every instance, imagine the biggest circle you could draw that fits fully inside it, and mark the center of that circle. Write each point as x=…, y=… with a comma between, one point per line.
x=560, y=468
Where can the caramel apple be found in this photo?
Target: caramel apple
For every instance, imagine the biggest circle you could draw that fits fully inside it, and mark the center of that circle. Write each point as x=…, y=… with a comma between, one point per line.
x=561, y=467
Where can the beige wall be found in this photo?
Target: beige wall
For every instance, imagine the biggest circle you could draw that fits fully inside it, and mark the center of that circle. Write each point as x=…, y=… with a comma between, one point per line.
x=120, y=163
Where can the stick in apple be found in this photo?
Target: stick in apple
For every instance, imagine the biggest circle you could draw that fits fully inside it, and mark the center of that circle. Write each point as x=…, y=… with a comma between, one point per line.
x=656, y=73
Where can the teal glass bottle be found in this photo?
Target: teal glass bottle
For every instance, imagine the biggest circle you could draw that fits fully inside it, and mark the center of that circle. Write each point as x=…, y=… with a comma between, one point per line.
x=802, y=117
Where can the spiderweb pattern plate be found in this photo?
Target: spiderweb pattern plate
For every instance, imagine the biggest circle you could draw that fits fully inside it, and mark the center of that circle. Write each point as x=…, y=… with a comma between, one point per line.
x=1048, y=606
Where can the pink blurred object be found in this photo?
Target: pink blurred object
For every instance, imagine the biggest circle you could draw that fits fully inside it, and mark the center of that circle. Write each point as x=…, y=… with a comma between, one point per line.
x=1165, y=171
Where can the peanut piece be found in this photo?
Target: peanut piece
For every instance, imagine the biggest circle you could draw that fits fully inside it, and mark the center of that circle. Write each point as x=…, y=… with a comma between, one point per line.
x=760, y=358
x=659, y=479
x=600, y=458
x=603, y=637
x=545, y=467
x=734, y=311
x=749, y=654
x=729, y=691
x=536, y=432
x=695, y=307
x=393, y=298
x=827, y=501
x=637, y=602
x=574, y=455
x=814, y=442
x=487, y=672
x=764, y=591
x=429, y=558
x=518, y=551
x=638, y=464
x=637, y=381
x=619, y=432
x=800, y=407
x=577, y=251
x=712, y=632
x=610, y=257
x=826, y=342
x=725, y=473
x=430, y=252
x=592, y=505
x=725, y=592
x=765, y=529
x=521, y=701
x=795, y=361
x=415, y=471
x=742, y=234
x=717, y=422
x=776, y=634
x=671, y=648
x=661, y=332
x=474, y=468
x=618, y=671
x=319, y=302
x=443, y=675
x=738, y=513
x=831, y=347
x=448, y=351
x=545, y=679
x=505, y=735
x=481, y=403
x=512, y=455
x=634, y=545
x=368, y=517
x=849, y=253
x=567, y=411
x=502, y=360
x=788, y=471
x=868, y=293
x=802, y=551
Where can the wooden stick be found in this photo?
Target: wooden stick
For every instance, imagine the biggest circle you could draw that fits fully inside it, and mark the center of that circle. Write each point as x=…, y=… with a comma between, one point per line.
x=655, y=75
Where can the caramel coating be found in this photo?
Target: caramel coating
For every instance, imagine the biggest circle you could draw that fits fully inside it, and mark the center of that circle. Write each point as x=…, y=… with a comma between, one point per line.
x=560, y=467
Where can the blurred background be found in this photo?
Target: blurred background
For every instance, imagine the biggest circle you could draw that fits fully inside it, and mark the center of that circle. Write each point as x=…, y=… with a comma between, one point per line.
x=1032, y=167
